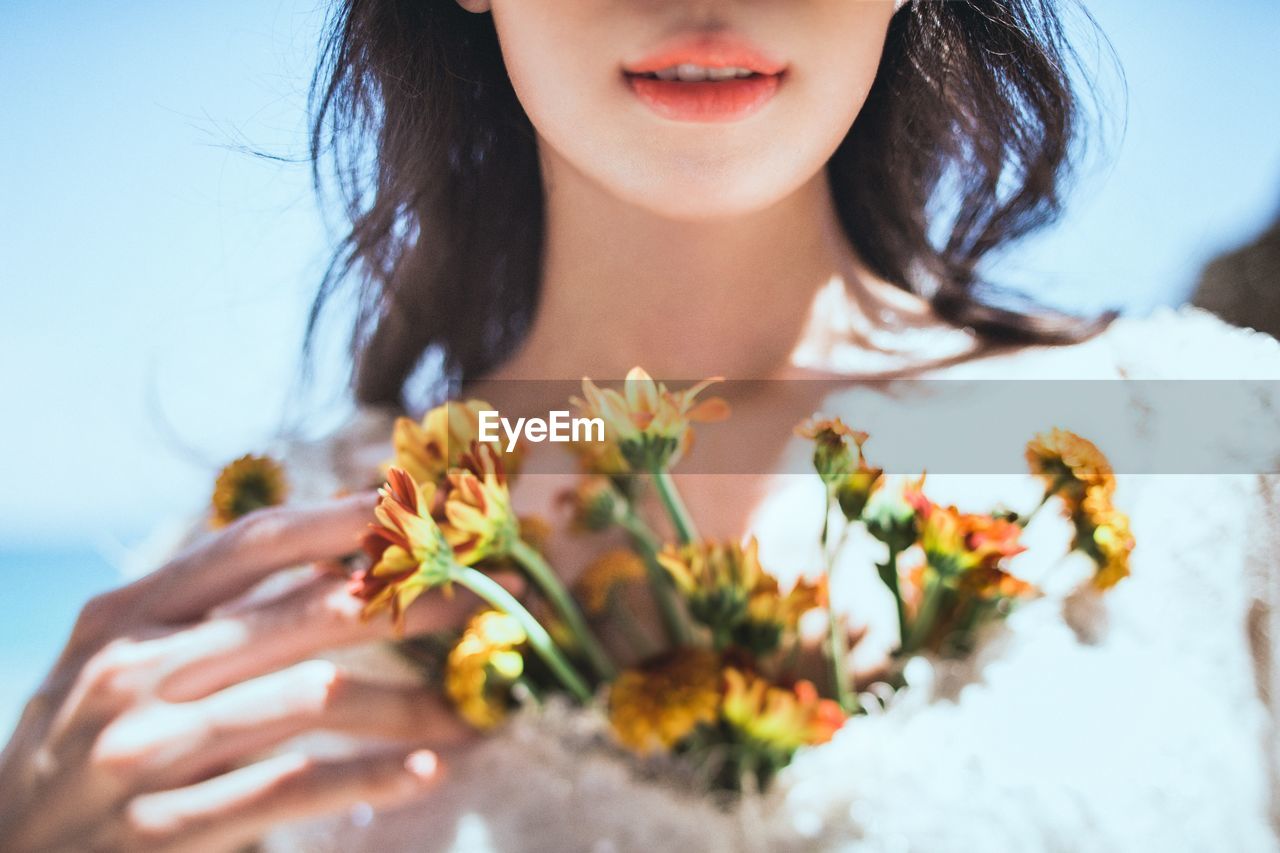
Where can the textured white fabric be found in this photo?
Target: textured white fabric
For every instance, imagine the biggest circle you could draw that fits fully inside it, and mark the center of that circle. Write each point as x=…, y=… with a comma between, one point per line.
x=1132, y=722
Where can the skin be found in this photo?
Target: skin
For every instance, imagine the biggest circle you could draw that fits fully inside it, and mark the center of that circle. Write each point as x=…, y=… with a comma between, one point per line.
x=168, y=683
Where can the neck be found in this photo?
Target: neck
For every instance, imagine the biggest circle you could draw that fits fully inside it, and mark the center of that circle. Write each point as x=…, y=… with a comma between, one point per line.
x=623, y=286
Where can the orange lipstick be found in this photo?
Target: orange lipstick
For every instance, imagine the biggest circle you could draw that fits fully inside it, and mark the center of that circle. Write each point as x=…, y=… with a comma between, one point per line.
x=706, y=77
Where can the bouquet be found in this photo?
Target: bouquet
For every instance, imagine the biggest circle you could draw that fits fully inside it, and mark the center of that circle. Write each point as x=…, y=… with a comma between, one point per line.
x=737, y=684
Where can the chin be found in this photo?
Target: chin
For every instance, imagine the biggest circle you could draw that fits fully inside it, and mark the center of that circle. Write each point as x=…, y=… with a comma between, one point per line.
x=693, y=190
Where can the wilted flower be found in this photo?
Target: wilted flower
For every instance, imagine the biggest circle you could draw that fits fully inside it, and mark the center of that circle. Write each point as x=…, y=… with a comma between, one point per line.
x=249, y=483
x=650, y=425
x=475, y=510
x=429, y=449
x=1070, y=466
x=659, y=703
x=409, y=552
x=483, y=665
x=777, y=718
x=609, y=572
x=1103, y=533
x=728, y=591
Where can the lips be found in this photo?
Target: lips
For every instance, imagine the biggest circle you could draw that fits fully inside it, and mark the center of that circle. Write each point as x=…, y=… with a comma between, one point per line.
x=711, y=77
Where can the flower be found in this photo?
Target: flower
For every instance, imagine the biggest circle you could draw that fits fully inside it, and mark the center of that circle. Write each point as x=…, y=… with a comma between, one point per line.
x=659, y=703
x=956, y=542
x=650, y=425
x=612, y=570
x=777, y=718
x=1069, y=465
x=409, y=552
x=249, y=483
x=595, y=502
x=839, y=461
x=475, y=510
x=728, y=591
x=1103, y=533
x=482, y=665
x=427, y=450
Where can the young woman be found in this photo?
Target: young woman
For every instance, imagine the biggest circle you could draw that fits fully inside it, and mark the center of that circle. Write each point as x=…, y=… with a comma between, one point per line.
x=755, y=189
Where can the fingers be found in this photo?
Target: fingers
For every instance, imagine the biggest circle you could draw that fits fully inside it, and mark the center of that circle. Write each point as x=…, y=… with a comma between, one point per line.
x=234, y=809
x=227, y=563
x=164, y=745
x=321, y=615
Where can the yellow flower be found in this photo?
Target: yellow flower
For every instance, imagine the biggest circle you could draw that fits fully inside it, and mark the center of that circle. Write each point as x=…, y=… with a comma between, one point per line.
x=1070, y=466
x=249, y=483
x=661, y=702
x=427, y=450
x=839, y=461
x=483, y=665
x=476, y=514
x=728, y=591
x=1103, y=533
x=610, y=571
x=409, y=552
x=650, y=425
x=777, y=718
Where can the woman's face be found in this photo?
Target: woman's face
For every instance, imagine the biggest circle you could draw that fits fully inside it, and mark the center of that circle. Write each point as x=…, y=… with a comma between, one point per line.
x=693, y=110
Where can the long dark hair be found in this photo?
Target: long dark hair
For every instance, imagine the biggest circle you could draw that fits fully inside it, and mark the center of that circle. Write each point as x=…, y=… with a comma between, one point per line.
x=964, y=145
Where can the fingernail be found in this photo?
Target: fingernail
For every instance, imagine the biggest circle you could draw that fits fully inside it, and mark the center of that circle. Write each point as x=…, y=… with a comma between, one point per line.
x=422, y=764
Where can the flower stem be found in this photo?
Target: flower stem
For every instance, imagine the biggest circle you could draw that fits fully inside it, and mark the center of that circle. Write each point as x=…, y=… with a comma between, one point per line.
x=889, y=574
x=659, y=582
x=845, y=695
x=496, y=596
x=925, y=616
x=545, y=577
x=686, y=532
x=838, y=638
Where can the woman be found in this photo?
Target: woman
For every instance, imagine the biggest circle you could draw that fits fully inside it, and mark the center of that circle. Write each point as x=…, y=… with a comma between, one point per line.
x=757, y=190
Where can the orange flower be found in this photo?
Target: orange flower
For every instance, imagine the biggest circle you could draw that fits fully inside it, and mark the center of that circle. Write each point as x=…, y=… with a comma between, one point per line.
x=612, y=570
x=427, y=450
x=475, y=510
x=1070, y=466
x=409, y=552
x=249, y=483
x=661, y=702
x=955, y=542
x=777, y=718
x=650, y=425
x=1103, y=533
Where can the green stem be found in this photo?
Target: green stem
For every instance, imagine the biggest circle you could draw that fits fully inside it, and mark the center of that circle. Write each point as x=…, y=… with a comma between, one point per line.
x=686, y=532
x=547, y=580
x=845, y=695
x=497, y=597
x=659, y=581
x=838, y=637
x=1058, y=483
x=926, y=615
x=889, y=574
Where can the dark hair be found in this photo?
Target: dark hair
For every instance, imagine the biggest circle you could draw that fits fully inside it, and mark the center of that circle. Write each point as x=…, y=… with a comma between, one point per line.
x=967, y=131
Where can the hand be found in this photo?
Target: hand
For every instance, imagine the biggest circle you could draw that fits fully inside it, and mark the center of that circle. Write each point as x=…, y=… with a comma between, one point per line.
x=142, y=736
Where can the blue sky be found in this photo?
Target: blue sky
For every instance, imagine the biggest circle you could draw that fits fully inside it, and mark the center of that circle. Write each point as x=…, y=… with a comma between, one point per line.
x=150, y=274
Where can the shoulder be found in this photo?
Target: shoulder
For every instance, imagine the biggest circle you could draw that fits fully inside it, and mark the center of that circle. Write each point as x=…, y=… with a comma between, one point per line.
x=1190, y=343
